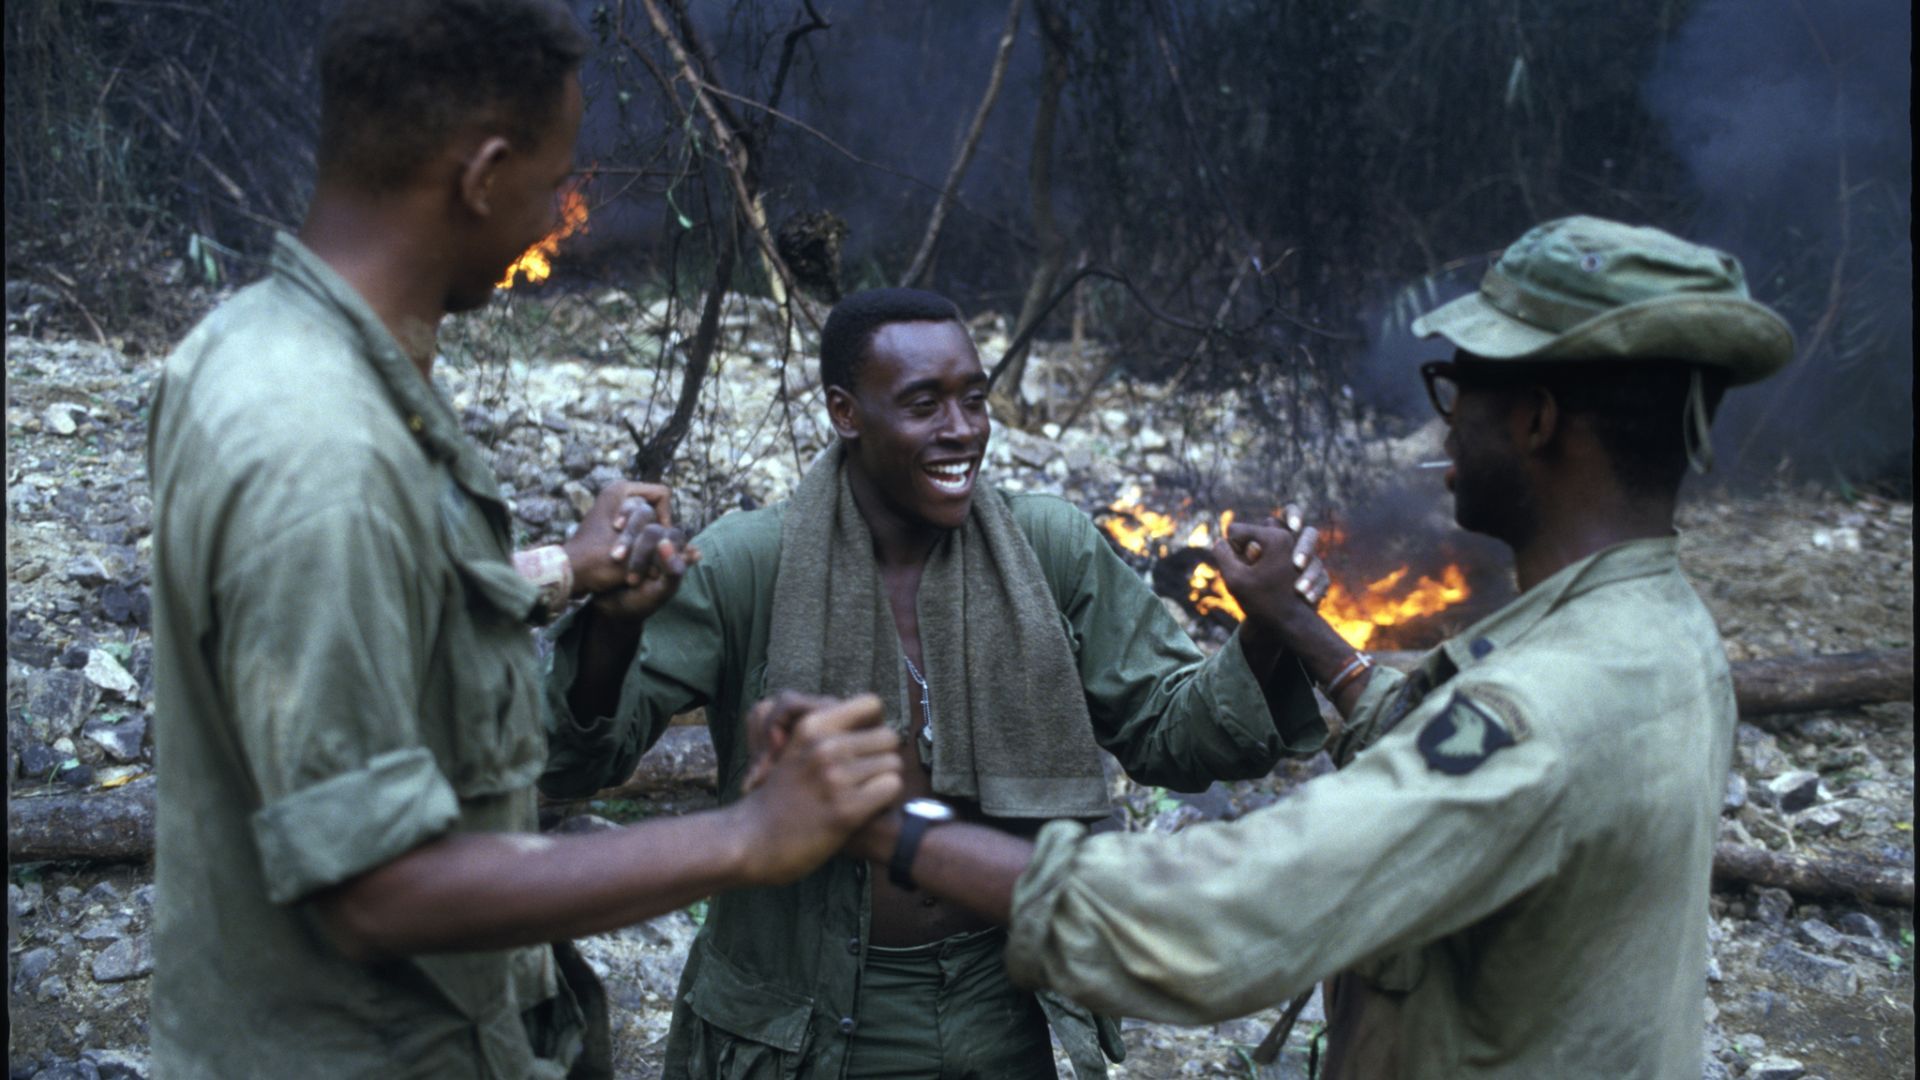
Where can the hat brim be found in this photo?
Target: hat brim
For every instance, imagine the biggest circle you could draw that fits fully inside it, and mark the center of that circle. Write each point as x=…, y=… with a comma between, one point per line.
x=1745, y=339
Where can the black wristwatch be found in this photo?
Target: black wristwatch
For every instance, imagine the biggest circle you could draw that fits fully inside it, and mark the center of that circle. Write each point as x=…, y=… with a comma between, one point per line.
x=920, y=814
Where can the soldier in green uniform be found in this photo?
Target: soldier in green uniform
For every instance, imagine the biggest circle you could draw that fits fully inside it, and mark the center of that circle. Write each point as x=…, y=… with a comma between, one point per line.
x=348, y=693
x=1010, y=644
x=1509, y=873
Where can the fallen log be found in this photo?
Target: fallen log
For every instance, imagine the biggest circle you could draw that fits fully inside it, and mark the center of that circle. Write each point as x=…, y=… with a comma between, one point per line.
x=108, y=826
x=1794, y=684
x=1814, y=876
x=117, y=826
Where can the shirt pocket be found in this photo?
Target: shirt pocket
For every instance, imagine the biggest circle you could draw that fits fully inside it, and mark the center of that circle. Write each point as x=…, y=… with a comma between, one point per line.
x=496, y=740
x=746, y=1029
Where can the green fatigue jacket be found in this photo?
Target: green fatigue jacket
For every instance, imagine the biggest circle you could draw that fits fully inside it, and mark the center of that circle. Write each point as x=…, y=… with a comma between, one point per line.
x=773, y=975
x=1512, y=866
x=343, y=673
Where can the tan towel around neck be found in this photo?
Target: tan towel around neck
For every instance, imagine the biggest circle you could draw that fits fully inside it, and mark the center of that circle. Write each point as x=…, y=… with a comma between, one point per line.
x=1010, y=722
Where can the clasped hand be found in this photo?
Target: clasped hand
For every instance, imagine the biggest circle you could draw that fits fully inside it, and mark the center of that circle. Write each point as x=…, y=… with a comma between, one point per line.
x=627, y=554
x=820, y=769
x=1280, y=594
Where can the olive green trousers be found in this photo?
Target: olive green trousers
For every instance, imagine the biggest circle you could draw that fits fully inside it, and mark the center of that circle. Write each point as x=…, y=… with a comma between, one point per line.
x=947, y=1011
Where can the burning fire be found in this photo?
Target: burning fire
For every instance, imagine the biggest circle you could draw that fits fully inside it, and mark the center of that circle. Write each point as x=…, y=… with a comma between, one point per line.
x=1355, y=615
x=537, y=263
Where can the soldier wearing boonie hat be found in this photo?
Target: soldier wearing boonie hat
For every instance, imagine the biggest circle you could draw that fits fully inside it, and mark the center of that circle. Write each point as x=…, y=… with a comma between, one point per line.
x=1508, y=874
x=1587, y=289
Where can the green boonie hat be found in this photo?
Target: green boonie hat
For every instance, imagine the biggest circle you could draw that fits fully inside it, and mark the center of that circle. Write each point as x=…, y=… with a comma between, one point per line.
x=1583, y=288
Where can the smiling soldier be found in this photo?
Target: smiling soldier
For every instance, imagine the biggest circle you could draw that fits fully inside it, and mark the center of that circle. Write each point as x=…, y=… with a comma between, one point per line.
x=1010, y=645
x=1509, y=872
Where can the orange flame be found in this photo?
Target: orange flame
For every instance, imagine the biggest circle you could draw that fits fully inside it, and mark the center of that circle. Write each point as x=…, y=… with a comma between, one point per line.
x=1136, y=528
x=1209, y=593
x=1355, y=616
x=537, y=263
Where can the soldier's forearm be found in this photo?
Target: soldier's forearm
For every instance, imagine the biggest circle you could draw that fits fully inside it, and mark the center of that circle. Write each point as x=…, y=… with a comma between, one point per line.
x=973, y=866
x=476, y=891
x=1321, y=651
x=606, y=651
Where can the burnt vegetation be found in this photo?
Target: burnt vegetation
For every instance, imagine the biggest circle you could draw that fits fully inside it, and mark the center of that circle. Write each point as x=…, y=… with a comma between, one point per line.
x=1229, y=194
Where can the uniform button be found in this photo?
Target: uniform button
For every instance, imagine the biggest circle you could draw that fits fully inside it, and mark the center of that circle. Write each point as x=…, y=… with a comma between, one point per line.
x=853, y=945
x=415, y=424
x=846, y=1025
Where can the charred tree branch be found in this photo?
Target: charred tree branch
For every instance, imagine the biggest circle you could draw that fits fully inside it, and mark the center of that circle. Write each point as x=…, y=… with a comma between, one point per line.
x=923, y=257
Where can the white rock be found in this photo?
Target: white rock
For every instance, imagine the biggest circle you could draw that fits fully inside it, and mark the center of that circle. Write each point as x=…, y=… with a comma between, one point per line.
x=59, y=417
x=105, y=672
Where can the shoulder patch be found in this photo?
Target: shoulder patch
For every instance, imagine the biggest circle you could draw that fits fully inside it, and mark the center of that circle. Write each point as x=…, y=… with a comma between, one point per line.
x=1462, y=735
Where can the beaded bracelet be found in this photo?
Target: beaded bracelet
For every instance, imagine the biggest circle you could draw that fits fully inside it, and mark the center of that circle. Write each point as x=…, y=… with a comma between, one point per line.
x=1360, y=663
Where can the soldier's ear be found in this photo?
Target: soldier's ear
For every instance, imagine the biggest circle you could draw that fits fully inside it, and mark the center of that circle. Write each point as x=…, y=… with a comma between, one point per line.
x=477, y=175
x=1541, y=411
x=843, y=412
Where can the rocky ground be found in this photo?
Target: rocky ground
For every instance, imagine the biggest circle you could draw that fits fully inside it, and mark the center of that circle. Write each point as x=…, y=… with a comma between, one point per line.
x=1794, y=989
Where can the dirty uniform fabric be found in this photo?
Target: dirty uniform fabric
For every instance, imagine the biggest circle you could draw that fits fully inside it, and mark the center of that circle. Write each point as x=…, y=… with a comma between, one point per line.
x=945, y=1011
x=1511, y=867
x=775, y=973
x=343, y=672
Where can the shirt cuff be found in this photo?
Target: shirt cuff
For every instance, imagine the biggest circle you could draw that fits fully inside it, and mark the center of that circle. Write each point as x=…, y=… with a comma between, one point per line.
x=1035, y=895
x=348, y=824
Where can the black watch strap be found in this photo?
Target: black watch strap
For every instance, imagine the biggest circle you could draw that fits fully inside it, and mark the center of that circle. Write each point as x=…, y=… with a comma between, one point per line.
x=900, y=867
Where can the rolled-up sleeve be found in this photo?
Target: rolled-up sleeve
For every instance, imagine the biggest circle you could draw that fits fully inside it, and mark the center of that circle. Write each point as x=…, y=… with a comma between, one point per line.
x=1222, y=920
x=324, y=649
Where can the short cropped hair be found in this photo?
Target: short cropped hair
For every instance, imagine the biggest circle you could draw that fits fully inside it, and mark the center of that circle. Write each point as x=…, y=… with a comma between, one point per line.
x=400, y=78
x=851, y=326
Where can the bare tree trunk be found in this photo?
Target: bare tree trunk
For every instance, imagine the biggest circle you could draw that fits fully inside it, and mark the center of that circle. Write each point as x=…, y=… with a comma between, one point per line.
x=1053, y=247
x=736, y=153
x=651, y=459
x=968, y=145
x=1815, y=876
x=114, y=826
x=117, y=826
x=1793, y=684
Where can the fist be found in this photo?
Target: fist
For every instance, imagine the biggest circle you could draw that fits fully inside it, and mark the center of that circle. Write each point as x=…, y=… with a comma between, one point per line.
x=1273, y=568
x=627, y=554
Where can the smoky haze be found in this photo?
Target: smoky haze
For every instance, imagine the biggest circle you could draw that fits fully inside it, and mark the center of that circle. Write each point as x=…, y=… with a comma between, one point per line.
x=1365, y=158
x=1793, y=119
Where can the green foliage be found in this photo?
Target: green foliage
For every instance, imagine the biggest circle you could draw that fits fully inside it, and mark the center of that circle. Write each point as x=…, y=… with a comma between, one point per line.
x=624, y=811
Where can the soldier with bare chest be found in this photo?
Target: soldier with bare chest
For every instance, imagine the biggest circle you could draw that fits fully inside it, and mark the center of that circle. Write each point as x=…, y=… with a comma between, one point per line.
x=1009, y=646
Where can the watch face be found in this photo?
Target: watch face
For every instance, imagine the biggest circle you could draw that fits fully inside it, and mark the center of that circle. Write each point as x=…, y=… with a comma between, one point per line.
x=930, y=809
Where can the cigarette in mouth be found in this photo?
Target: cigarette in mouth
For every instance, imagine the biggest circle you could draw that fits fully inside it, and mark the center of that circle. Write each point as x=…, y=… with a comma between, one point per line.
x=1433, y=464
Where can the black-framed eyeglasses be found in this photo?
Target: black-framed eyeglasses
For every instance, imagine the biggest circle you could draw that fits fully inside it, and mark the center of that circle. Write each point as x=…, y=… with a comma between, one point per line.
x=1443, y=385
